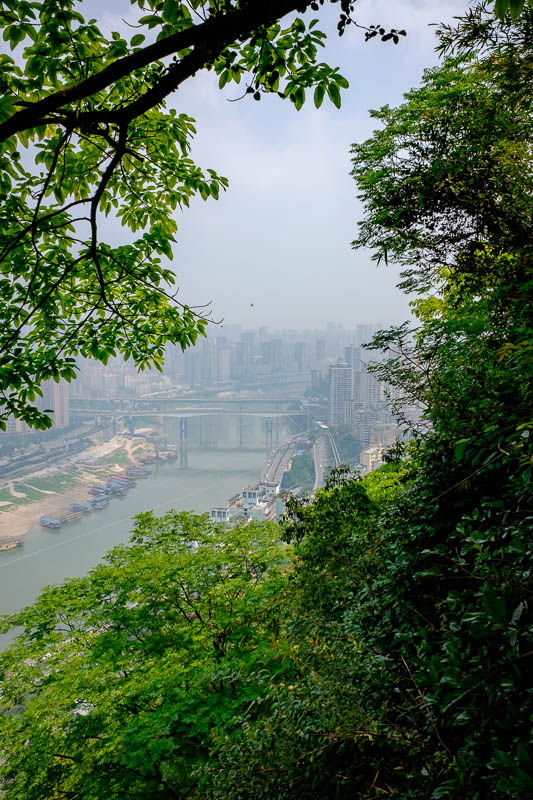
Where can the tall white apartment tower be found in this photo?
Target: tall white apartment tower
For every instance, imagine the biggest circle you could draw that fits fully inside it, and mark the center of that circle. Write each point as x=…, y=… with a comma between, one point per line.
x=340, y=392
x=55, y=399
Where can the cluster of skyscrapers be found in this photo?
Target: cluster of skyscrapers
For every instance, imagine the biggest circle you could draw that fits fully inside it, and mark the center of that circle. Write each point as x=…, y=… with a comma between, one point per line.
x=55, y=400
x=228, y=358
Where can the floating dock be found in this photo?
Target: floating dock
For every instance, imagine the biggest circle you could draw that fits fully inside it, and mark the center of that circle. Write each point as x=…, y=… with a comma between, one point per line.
x=50, y=522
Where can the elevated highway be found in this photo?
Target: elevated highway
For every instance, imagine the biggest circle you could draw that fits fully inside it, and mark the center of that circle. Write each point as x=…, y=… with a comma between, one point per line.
x=334, y=451
x=277, y=464
x=193, y=412
x=141, y=403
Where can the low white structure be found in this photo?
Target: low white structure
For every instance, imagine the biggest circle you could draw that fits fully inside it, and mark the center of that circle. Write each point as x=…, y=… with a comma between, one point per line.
x=269, y=487
x=250, y=496
x=265, y=509
x=259, y=503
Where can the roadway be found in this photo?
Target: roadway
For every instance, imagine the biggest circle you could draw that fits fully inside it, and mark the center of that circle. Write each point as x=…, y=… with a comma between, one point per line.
x=334, y=451
x=278, y=463
x=325, y=441
x=320, y=459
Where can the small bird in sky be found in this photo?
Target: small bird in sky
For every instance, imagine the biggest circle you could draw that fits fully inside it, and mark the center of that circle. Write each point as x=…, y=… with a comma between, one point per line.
x=251, y=305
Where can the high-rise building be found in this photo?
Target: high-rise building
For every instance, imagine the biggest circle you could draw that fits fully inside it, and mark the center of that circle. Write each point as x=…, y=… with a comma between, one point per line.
x=340, y=392
x=223, y=365
x=271, y=353
x=251, y=341
x=333, y=346
x=174, y=360
x=352, y=356
x=55, y=400
x=372, y=389
x=301, y=356
x=320, y=349
x=191, y=367
x=208, y=362
x=15, y=427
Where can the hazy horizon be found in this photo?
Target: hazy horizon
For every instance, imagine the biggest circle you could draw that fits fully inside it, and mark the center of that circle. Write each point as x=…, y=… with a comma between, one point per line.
x=279, y=238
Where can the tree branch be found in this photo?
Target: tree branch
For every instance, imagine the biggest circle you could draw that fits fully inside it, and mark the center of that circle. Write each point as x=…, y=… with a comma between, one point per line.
x=209, y=39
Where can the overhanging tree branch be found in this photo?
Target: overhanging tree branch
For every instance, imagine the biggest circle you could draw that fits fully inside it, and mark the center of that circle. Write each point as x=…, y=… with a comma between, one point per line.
x=209, y=39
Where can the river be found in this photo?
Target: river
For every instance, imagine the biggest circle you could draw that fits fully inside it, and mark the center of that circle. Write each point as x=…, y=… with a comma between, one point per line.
x=215, y=472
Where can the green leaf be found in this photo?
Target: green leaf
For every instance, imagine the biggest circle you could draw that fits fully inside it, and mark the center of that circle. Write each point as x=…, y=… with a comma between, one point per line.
x=319, y=95
x=515, y=7
x=151, y=20
x=460, y=448
x=225, y=77
x=494, y=605
x=334, y=94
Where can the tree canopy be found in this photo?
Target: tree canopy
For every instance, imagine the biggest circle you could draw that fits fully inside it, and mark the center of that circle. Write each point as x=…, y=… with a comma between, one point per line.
x=90, y=112
x=127, y=676
x=448, y=174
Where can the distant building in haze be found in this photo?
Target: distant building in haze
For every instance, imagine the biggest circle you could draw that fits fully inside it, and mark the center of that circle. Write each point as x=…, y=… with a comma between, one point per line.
x=340, y=392
x=320, y=349
x=55, y=399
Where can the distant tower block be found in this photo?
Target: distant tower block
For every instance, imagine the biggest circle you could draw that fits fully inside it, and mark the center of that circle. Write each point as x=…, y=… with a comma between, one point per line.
x=55, y=399
x=183, y=442
x=340, y=391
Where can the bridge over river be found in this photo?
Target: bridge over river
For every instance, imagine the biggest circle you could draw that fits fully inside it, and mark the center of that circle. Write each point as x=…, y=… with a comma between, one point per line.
x=183, y=414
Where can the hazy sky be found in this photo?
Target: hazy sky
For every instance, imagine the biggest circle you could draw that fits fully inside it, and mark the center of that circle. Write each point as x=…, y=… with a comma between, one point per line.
x=280, y=236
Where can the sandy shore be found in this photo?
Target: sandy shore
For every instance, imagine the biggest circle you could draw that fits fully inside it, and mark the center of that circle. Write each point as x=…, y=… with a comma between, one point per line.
x=16, y=519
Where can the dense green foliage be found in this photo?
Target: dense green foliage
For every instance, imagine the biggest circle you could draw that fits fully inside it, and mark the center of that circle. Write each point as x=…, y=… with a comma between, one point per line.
x=126, y=675
x=380, y=643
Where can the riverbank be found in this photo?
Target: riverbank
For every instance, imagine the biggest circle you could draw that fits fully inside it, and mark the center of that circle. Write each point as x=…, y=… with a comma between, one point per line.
x=50, y=491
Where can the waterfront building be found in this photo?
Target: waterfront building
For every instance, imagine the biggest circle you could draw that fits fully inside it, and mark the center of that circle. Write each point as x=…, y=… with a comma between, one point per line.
x=250, y=496
x=219, y=514
x=269, y=487
x=265, y=509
